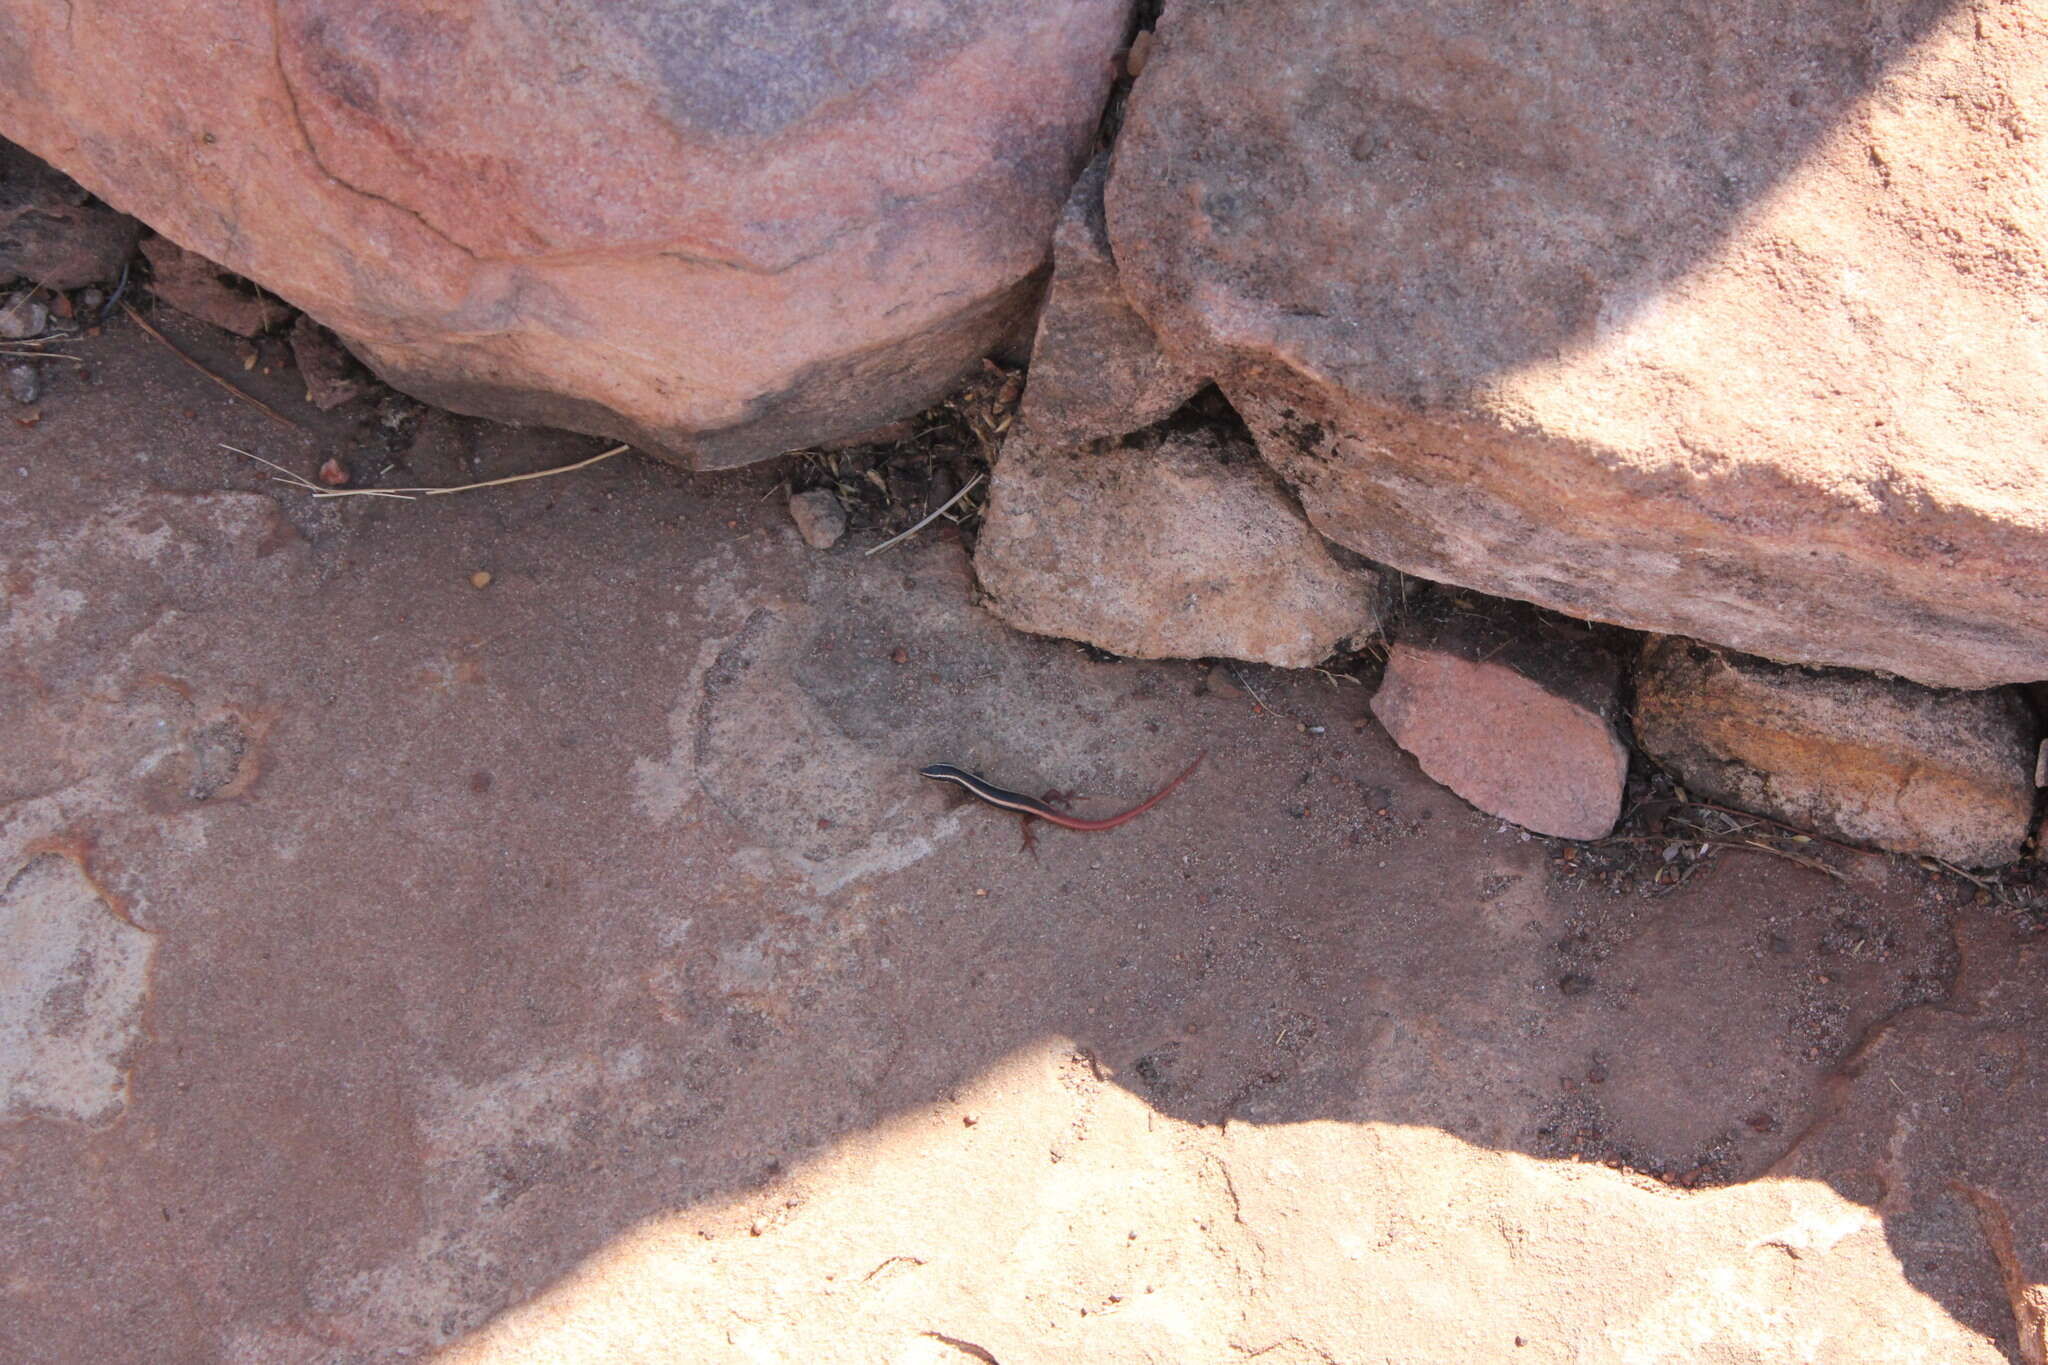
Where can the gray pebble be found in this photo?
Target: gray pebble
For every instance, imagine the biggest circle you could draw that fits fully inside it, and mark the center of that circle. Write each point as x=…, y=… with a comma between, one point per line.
x=819, y=518
x=24, y=383
x=22, y=316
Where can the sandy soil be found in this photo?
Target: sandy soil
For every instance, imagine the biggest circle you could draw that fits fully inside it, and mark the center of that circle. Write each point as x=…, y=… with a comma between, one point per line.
x=574, y=968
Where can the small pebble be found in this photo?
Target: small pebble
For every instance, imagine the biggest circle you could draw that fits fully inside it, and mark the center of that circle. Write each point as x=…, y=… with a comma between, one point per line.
x=819, y=518
x=22, y=316
x=1220, y=683
x=24, y=383
x=479, y=579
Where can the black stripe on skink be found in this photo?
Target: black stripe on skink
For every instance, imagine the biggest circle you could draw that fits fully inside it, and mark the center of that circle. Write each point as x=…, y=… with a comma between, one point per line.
x=988, y=791
x=1025, y=805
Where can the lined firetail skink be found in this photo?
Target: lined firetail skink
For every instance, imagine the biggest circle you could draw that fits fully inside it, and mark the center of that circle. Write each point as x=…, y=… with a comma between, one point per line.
x=1028, y=806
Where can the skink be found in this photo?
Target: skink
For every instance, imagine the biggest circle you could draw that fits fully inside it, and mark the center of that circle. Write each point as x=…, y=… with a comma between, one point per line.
x=1031, y=806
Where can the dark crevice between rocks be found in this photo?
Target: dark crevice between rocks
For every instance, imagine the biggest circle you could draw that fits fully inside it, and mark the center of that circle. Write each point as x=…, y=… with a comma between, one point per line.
x=890, y=479
x=1130, y=62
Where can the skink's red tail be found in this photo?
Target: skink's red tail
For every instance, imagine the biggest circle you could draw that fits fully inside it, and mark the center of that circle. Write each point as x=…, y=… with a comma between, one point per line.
x=1069, y=822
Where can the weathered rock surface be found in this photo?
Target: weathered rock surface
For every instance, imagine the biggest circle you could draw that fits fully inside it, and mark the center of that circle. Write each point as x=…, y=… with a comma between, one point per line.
x=1726, y=322
x=720, y=230
x=73, y=974
x=1515, y=713
x=1874, y=760
x=1185, y=546
x=1096, y=368
x=51, y=232
x=675, y=992
x=1957, y=1080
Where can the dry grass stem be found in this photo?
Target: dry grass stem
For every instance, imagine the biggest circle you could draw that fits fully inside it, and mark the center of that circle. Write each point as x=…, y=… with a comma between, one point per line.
x=306, y=485
x=943, y=508
x=257, y=403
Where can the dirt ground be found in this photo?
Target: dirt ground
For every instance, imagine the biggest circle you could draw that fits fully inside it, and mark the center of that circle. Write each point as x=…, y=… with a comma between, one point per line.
x=573, y=968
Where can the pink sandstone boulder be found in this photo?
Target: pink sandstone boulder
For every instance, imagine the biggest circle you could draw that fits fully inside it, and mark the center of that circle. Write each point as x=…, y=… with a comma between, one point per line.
x=720, y=229
x=1722, y=320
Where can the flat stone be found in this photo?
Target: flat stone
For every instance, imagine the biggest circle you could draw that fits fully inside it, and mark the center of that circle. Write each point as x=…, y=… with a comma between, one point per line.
x=24, y=383
x=1183, y=546
x=1515, y=713
x=819, y=516
x=52, y=232
x=721, y=230
x=1718, y=322
x=192, y=284
x=1096, y=368
x=1877, y=761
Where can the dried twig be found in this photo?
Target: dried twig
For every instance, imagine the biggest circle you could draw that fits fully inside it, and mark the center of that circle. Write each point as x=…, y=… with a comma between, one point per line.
x=1814, y=863
x=304, y=484
x=509, y=478
x=1792, y=831
x=251, y=399
x=268, y=411
x=943, y=508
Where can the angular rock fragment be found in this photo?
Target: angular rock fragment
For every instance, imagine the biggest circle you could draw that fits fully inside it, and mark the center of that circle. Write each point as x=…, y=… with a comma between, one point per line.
x=1096, y=368
x=192, y=284
x=1180, y=546
x=52, y=232
x=1716, y=320
x=1871, y=760
x=331, y=375
x=1513, y=710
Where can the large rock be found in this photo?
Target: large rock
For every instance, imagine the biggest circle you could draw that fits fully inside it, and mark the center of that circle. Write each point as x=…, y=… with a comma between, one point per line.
x=1724, y=320
x=719, y=229
x=1876, y=760
x=1184, y=546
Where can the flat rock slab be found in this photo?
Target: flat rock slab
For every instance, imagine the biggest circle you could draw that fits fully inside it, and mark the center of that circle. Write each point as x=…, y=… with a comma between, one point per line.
x=1723, y=322
x=1179, y=546
x=1515, y=714
x=71, y=991
x=1873, y=760
x=577, y=968
x=722, y=230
